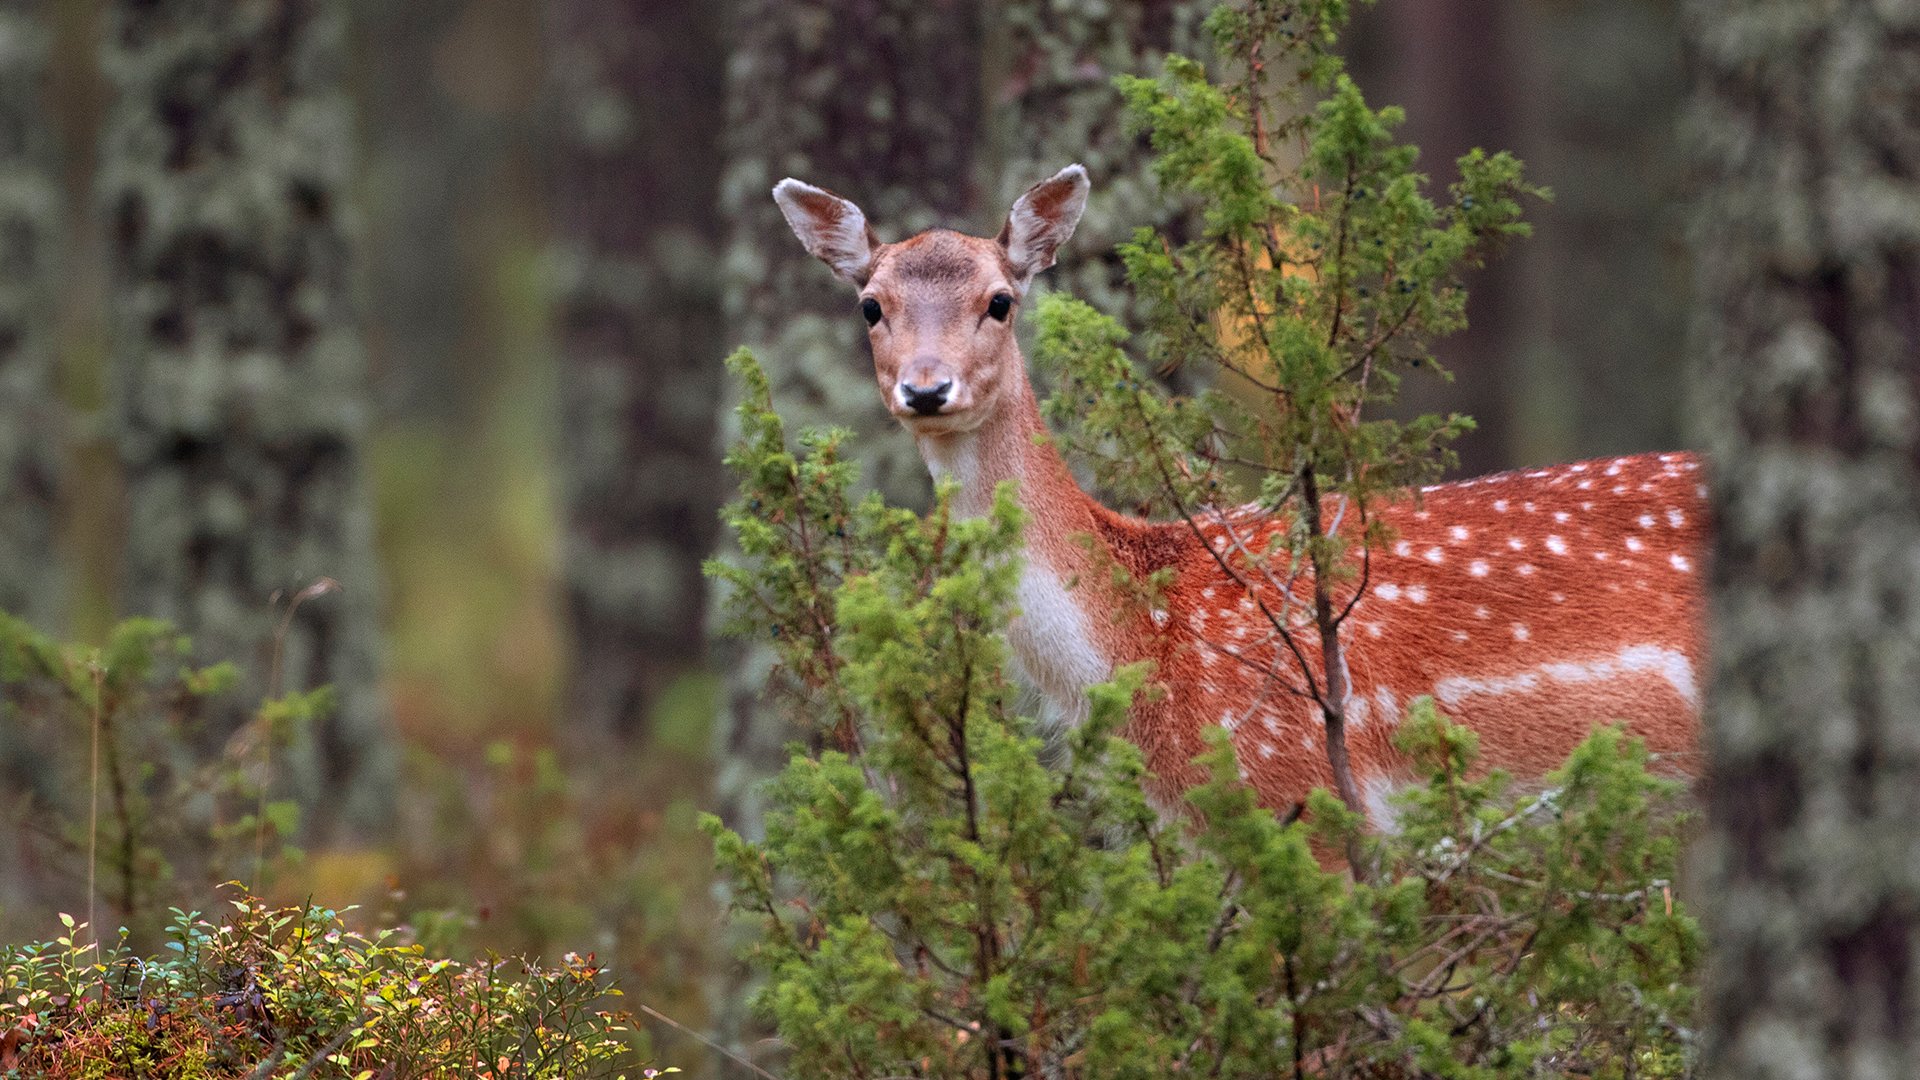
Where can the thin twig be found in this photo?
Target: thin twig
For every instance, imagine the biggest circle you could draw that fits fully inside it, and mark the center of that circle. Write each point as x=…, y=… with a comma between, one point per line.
x=714, y=1046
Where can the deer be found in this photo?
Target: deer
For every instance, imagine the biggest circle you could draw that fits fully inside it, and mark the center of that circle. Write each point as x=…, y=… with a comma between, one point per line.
x=1532, y=605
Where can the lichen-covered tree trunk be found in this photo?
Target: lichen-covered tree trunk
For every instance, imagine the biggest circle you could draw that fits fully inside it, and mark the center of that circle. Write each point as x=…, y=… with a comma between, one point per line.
x=1808, y=293
x=241, y=401
x=641, y=106
x=878, y=100
x=31, y=584
x=1048, y=71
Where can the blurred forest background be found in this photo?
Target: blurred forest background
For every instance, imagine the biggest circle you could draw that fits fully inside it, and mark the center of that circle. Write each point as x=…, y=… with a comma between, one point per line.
x=429, y=299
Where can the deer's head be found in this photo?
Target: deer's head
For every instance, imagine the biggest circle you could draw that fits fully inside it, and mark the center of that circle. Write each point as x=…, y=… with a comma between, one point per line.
x=940, y=306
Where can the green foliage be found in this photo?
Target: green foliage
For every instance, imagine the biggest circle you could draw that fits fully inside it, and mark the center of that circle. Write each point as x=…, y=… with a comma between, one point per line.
x=293, y=992
x=129, y=790
x=944, y=889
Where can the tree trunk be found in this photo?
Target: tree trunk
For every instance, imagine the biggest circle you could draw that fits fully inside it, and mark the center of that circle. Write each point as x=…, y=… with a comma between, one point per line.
x=1809, y=330
x=1599, y=290
x=240, y=383
x=880, y=101
x=31, y=432
x=642, y=106
x=1049, y=100
x=1451, y=64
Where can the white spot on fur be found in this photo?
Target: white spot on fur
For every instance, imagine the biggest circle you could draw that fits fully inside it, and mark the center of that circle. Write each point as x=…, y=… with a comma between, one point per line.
x=1520, y=632
x=1356, y=712
x=1459, y=532
x=1388, y=705
x=1376, y=793
x=1681, y=563
x=1460, y=635
x=1524, y=569
x=1403, y=549
x=1646, y=521
x=1516, y=543
x=1435, y=555
x=1500, y=506
x=1387, y=590
x=1417, y=593
x=1561, y=517
x=1675, y=518
x=1634, y=544
x=1478, y=568
x=1159, y=618
x=1481, y=612
x=1556, y=545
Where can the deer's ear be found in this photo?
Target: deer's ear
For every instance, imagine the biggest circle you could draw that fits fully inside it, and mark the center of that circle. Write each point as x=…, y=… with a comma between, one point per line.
x=833, y=229
x=1042, y=220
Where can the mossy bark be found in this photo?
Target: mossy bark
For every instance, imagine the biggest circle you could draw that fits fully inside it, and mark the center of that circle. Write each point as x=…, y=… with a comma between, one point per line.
x=31, y=428
x=1050, y=101
x=240, y=393
x=1808, y=291
x=881, y=103
x=640, y=104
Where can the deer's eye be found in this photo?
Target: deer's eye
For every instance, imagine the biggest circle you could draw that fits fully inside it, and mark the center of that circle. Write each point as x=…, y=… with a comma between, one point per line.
x=871, y=309
x=998, y=307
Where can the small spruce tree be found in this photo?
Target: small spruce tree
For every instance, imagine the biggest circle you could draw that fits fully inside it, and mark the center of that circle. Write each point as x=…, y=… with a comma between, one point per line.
x=1321, y=274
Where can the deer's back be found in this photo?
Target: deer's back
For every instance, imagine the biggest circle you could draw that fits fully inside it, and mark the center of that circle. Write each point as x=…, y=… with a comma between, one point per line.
x=1533, y=605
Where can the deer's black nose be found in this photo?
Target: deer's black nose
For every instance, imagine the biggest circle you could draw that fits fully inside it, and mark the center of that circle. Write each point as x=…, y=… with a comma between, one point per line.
x=926, y=400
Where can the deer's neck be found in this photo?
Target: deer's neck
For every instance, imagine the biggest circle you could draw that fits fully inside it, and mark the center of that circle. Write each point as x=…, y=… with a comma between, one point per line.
x=1061, y=639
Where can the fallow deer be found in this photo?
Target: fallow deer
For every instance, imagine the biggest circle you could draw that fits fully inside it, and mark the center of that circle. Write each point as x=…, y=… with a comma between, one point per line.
x=1532, y=605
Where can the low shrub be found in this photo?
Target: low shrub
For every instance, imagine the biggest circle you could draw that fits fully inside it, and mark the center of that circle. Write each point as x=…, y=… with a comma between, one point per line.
x=293, y=992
